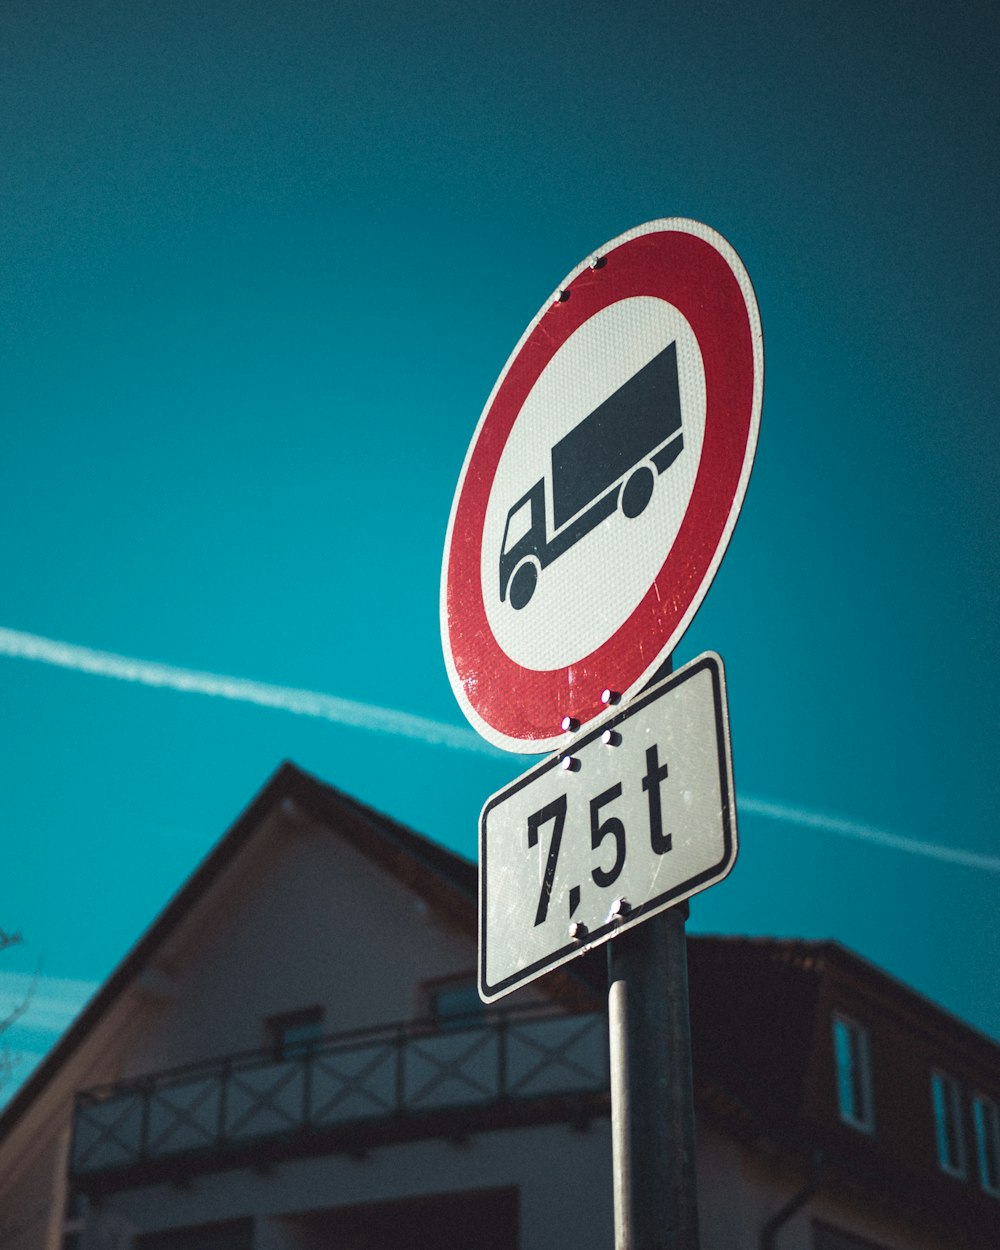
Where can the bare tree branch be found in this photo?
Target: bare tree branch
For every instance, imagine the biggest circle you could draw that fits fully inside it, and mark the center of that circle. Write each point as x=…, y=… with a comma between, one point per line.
x=9, y=1061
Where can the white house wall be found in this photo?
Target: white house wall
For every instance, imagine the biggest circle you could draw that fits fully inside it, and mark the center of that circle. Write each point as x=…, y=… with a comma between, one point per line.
x=33, y=1156
x=301, y=919
x=563, y=1176
x=29, y=1219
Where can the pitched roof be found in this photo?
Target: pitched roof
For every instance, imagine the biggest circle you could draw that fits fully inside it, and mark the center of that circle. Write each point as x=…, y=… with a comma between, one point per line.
x=445, y=879
x=744, y=991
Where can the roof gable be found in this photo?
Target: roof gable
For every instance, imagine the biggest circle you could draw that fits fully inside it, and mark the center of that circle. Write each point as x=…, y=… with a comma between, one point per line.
x=445, y=880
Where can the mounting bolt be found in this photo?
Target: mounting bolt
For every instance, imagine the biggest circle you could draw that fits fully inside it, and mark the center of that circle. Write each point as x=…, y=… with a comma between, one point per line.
x=610, y=697
x=570, y=724
x=611, y=738
x=562, y=295
x=570, y=764
x=620, y=908
x=598, y=262
x=578, y=931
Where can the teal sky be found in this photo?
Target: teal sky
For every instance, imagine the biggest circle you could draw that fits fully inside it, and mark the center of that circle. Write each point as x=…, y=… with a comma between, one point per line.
x=261, y=264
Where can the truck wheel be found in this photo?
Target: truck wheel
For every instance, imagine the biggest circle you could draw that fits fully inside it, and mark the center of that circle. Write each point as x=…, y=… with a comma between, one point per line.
x=522, y=584
x=638, y=491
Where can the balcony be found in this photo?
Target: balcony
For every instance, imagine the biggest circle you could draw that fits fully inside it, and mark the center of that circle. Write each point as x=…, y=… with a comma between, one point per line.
x=346, y=1093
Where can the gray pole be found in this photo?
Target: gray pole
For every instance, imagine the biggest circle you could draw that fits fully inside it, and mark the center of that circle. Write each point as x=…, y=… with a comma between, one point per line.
x=652, y=1098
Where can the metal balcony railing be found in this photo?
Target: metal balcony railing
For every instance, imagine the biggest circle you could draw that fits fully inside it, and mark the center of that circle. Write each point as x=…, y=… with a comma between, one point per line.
x=404, y=1070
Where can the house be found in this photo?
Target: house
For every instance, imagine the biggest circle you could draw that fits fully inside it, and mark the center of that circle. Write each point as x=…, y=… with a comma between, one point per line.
x=294, y=1056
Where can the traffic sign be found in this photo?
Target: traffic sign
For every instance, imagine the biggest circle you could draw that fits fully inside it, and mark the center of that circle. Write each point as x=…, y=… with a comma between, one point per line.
x=637, y=815
x=602, y=484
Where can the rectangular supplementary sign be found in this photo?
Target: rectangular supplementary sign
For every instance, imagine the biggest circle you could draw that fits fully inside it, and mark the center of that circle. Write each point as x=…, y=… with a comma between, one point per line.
x=634, y=816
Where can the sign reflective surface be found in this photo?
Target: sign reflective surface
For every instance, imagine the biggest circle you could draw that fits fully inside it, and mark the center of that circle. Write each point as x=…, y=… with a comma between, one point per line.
x=602, y=484
x=634, y=816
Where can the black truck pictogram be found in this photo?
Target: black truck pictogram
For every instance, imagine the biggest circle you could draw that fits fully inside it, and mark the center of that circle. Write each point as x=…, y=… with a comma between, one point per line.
x=611, y=457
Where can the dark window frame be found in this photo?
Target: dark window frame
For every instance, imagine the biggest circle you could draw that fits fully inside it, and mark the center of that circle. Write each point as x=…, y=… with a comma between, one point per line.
x=853, y=1071
x=831, y=1237
x=233, y=1234
x=277, y=1029
x=949, y=1124
x=429, y=1008
x=986, y=1126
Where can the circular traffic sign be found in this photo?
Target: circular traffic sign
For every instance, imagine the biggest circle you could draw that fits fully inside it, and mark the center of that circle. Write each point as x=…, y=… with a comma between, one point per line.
x=602, y=483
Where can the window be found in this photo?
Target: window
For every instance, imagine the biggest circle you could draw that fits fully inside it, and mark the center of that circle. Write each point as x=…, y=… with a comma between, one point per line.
x=454, y=1003
x=826, y=1237
x=294, y=1033
x=225, y=1235
x=852, y=1050
x=947, y=1100
x=986, y=1119
x=518, y=523
x=488, y=1219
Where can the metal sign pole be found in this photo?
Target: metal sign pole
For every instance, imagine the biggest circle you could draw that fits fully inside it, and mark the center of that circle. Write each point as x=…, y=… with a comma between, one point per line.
x=652, y=1098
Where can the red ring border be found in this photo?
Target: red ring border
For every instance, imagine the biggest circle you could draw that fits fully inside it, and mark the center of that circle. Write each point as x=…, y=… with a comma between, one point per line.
x=522, y=709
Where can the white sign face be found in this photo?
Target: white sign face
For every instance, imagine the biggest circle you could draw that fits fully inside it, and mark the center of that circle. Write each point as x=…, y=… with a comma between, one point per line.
x=643, y=818
x=577, y=381
x=602, y=484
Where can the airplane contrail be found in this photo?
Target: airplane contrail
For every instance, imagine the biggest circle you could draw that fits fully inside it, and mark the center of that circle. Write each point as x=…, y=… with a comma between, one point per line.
x=866, y=833
x=25, y=646
x=286, y=698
